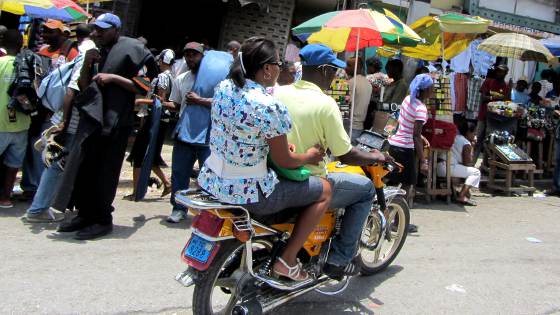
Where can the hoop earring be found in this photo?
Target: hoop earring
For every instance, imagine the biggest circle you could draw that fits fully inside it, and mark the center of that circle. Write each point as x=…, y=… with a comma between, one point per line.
x=267, y=78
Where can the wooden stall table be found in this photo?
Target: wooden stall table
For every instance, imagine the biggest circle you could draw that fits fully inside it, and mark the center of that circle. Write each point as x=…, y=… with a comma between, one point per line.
x=510, y=159
x=539, y=164
x=432, y=189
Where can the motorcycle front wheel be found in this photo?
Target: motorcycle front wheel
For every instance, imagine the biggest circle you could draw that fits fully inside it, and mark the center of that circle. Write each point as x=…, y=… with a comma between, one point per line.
x=377, y=254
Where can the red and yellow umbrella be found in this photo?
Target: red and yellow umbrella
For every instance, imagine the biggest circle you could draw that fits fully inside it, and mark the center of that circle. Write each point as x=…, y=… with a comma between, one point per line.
x=64, y=10
x=352, y=30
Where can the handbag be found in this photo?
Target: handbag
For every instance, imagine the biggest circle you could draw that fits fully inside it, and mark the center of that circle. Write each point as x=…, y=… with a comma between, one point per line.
x=440, y=134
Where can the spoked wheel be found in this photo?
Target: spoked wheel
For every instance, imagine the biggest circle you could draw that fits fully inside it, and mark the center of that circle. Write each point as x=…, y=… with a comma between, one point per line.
x=217, y=292
x=373, y=260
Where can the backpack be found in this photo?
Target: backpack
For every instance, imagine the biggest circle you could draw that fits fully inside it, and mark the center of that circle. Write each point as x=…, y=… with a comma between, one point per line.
x=53, y=86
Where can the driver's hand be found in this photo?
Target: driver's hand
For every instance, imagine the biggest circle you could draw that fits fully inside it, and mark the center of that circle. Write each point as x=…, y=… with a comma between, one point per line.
x=315, y=155
x=378, y=156
x=388, y=157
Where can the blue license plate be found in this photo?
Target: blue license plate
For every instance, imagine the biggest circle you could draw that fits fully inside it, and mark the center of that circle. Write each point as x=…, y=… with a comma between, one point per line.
x=199, y=249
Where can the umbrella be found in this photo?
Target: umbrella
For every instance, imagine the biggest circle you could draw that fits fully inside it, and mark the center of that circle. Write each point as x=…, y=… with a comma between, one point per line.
x=64, y=10
x=339, y=30
x=87, y=2
x=516, y=46
x=352, y=30
x=553, y=44
x=445, y=35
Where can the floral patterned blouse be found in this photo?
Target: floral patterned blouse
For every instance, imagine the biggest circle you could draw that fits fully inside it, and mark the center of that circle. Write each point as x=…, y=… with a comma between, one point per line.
x=242, y=120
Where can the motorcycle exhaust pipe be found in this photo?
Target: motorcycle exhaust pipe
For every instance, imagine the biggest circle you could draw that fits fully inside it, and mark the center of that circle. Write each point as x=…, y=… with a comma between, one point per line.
x=292, y=295
x=256, y=307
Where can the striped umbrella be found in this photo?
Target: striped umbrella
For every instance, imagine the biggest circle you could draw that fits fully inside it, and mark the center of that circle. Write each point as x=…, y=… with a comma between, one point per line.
x=340, y=29
x=351, y=30
x=88, y=2
x=64, y=10
x=516, y=46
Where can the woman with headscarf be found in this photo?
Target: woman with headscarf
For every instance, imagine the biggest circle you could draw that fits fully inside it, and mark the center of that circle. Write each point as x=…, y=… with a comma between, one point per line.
x=406, y=143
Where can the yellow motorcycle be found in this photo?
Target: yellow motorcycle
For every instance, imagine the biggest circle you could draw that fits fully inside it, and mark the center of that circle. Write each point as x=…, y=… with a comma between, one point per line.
x=231, y=252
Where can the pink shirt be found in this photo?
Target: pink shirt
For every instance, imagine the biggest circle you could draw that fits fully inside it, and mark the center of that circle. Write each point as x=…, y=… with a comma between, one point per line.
x=409, y=114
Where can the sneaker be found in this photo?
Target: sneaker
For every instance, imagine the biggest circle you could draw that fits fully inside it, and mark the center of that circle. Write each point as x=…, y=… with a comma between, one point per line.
x=338, y=272
x=6, y=204
x=176, y=216
x=46, y=216
x=76, y=224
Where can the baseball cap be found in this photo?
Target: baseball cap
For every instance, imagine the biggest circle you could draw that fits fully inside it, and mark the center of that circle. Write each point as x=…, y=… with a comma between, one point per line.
x=194, y=46
x=319, y=54
x=107, y=20
x=54, y=25
x=166, y=56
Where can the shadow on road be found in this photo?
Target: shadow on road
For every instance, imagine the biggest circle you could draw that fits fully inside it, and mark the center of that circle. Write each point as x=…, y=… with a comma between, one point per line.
x=440, y=206
x=185, y=224
x=17, y=211
x=357, y=299
x=119, y=231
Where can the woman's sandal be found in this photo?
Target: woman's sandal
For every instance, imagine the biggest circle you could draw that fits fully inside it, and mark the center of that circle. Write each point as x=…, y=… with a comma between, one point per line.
x=294, y=272
x=166, y=191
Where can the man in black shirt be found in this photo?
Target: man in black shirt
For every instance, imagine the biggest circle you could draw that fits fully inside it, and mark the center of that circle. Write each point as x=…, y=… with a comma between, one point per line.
x=120, y=62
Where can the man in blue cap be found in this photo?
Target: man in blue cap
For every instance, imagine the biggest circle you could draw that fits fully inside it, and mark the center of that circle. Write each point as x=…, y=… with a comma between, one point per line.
x=316, y=120
x=117, y=72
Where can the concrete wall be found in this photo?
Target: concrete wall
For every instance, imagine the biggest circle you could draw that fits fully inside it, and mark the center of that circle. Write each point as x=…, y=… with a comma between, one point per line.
x=446, y=4
x=543, y=10
x=241, y=23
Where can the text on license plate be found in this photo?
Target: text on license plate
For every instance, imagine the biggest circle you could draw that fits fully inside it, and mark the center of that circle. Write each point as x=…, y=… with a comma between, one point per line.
x=199, y=249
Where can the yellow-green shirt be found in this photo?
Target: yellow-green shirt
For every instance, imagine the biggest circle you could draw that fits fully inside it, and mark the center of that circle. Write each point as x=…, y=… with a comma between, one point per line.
x=316, y=119
x=7, y=76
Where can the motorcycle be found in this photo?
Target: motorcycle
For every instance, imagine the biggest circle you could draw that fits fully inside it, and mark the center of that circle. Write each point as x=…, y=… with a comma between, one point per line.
x=231, y=252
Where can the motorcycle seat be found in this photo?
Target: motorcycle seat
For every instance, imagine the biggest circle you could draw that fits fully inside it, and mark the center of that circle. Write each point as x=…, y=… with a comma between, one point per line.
x=199, y=199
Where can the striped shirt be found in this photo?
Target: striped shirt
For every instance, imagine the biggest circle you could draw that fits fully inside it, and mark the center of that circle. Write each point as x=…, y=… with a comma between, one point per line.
x=409, y=114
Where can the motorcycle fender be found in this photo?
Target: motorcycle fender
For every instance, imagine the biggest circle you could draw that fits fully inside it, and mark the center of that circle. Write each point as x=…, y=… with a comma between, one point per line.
x=392, y=192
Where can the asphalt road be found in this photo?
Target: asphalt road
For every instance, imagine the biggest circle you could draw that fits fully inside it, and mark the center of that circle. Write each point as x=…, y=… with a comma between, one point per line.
x=462, y=261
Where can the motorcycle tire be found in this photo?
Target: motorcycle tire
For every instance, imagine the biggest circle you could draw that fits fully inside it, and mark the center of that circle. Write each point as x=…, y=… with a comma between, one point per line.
x=366, y=270
x=202, y=295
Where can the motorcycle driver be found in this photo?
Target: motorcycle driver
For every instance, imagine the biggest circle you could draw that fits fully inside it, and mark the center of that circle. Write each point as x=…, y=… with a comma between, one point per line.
x=316, y=120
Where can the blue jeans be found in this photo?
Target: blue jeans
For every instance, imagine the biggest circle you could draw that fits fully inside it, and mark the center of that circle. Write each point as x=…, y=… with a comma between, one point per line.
x=354, y=193
x=48, y=185
x=33, y=165
x=46, y=191
x=182, y=163
x=556, y=175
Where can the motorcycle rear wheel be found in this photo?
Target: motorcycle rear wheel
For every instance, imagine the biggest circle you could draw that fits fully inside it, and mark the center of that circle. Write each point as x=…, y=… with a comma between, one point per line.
x=386, y=251
x=212, y=283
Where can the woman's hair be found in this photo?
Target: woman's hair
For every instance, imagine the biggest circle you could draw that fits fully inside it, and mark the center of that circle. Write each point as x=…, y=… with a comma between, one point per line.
x=375, y=63
x=254, y=53
x=464, y=126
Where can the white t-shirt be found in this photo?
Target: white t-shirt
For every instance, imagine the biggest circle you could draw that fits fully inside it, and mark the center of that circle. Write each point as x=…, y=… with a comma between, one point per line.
x=545, y=88
x=181, y=86
x=457, y=150
x=179, y=67
x=363, y=96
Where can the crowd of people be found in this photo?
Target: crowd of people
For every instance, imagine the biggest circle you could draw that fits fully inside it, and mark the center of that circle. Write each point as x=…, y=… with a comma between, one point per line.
x=236, y=110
